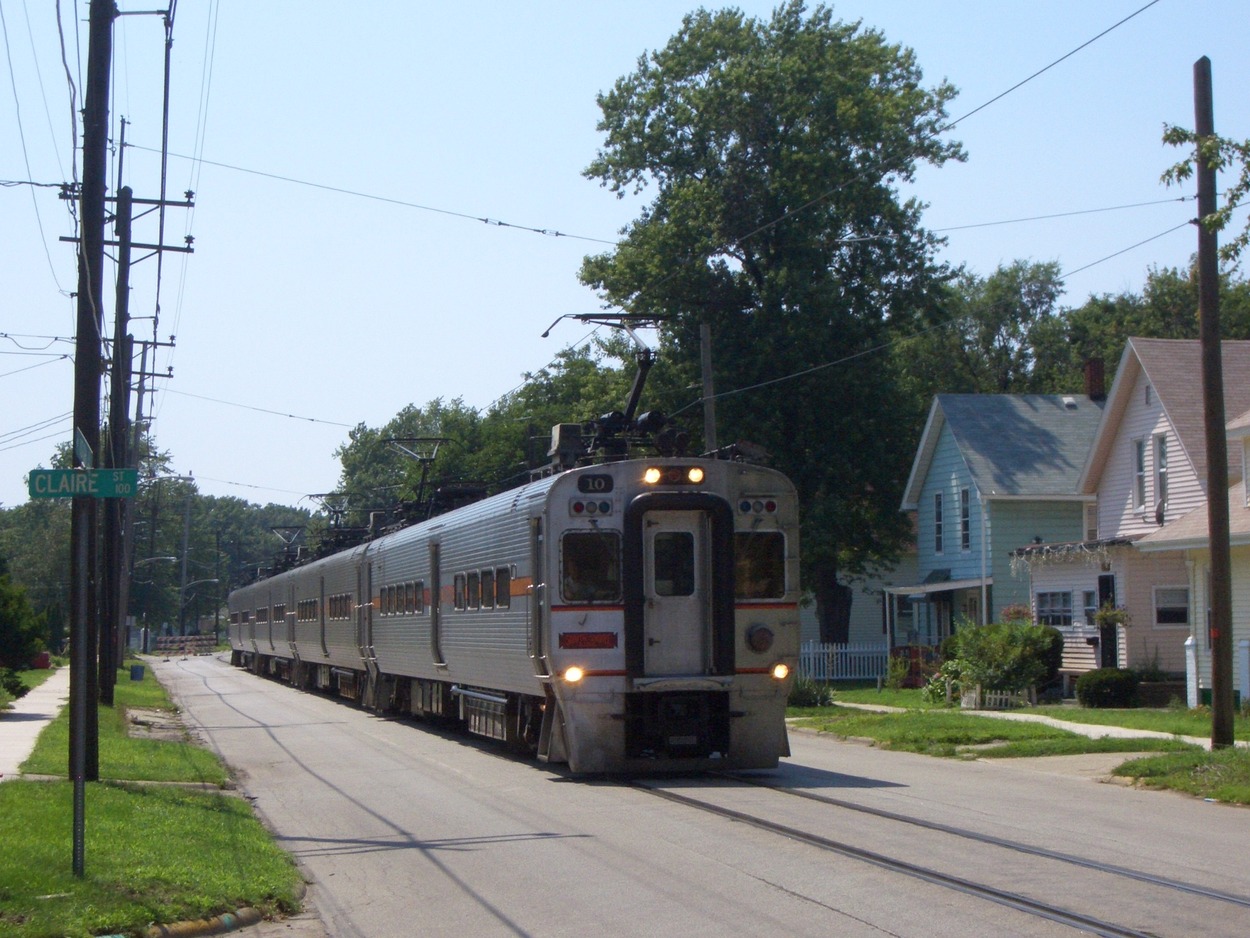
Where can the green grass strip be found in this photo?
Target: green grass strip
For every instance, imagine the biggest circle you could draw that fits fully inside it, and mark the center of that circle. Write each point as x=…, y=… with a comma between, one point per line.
x=155, y=854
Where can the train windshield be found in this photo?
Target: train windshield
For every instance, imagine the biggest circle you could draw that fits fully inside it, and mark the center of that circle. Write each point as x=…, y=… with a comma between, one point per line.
x=759, y=565
x=590, y=566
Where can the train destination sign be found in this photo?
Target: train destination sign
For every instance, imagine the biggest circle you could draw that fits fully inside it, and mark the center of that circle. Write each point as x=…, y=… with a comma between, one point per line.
x=93, y=483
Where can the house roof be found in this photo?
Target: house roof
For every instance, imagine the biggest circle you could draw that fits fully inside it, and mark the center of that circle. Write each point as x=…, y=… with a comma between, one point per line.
x=1174, y=369
x=1239, y=426
x=1190, y=529
x=1014, y=445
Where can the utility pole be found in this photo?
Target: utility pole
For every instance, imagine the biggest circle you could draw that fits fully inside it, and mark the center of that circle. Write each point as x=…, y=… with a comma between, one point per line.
x=115, y=509
x=709, y=394
x=1221, y=598
x=84, y=739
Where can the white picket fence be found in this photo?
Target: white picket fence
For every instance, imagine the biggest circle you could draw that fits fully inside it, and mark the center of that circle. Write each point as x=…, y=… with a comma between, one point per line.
x=849, y=662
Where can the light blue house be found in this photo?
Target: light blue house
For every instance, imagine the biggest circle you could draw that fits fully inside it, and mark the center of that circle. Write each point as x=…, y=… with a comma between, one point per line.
x=993, y=472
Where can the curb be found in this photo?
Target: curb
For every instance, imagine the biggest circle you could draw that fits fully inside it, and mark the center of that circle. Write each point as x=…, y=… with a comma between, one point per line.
x=220, y=925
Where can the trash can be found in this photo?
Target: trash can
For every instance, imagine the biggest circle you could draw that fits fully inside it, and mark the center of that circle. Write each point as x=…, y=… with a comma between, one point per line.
x=136, y=672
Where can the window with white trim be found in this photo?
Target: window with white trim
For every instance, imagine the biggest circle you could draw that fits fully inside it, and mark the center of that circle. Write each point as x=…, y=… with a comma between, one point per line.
x=965, y=520
x=1089, y=605
x=1171, y=607
x=937, y=522
x=1054, y=608
x=1161, y=470
x=1139, y=474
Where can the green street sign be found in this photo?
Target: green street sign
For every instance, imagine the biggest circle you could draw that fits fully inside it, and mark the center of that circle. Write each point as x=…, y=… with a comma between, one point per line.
x=93, y=483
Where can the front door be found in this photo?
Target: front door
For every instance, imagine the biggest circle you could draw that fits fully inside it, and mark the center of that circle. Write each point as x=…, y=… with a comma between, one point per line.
x=676, y=609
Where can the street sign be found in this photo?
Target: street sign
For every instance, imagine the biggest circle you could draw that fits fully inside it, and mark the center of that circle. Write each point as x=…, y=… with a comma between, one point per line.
x=93, y=483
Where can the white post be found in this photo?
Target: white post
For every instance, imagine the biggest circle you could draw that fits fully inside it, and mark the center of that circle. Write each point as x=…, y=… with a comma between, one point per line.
x=1243, y=669
x=1191, y=672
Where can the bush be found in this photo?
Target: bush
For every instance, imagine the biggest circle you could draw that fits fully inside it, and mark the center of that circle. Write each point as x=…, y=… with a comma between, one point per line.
x=11, y=684
x=935, y=688
x=1005, y=656
x=805, y=692
x=1107, y=687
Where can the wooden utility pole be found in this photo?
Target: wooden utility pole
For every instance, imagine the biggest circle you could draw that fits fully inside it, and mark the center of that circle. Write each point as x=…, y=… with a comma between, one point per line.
x=113, y=612
x=84, y=741
x=1221, y=598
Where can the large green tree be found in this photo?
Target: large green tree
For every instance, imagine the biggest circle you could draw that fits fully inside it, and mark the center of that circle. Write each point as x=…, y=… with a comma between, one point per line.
x=774, y=150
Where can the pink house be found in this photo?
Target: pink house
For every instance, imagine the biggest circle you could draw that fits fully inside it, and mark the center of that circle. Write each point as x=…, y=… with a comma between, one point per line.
x=1147, y=468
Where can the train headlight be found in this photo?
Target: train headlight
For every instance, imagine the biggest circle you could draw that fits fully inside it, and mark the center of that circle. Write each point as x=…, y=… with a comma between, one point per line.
x=759, y=638
x=781, y=671
x=574, y=674
x=674, y=475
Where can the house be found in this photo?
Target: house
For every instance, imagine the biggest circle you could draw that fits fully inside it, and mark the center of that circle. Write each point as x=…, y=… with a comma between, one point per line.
x=869, y=604
x=1146, y=470
x=1190, y=535
x=992, y=472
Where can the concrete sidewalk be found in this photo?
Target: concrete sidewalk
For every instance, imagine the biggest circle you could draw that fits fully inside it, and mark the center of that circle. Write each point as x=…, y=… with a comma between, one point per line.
x=1092, y=730
x=22, y=723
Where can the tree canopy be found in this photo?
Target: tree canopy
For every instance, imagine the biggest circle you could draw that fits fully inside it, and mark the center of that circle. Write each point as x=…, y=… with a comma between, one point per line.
x=774, y=150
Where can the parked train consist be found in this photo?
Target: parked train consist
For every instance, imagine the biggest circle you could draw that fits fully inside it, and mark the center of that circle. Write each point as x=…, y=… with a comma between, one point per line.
x=630, y=616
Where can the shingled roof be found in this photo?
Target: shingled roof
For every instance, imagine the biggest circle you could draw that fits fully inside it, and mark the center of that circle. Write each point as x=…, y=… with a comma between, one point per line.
x=1015, y=445
x=1174, y=368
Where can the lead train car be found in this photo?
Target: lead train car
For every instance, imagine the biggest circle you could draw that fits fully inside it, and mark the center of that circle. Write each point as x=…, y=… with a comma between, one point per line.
x=628, y=617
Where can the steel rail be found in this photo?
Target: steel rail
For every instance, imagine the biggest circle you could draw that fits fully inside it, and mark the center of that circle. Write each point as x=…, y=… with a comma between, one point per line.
x=1002, y=897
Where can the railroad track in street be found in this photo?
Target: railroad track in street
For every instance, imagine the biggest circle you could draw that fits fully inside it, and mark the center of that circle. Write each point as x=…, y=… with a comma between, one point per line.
x=1156, y=886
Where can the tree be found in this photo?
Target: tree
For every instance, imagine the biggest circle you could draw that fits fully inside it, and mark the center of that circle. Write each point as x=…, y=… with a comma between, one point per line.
x=23, y=634
x=987, y=344
x=1217, y=153
x=774, y=150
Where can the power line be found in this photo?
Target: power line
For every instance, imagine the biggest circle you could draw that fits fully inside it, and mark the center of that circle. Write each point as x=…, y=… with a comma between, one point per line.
x=498, y=223
x=262, y=410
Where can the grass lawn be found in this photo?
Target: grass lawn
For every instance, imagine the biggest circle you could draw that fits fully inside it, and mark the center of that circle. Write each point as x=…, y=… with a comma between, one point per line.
x=954, y=734
x=1166, y=720
x=940, y=731
x=152, y=852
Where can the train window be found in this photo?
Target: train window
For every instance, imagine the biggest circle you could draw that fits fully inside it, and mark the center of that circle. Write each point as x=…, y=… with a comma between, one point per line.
x=410, y=597
x=474, y=590
x=503, y=587
x=674, y=563
x=459, y=590
x=488, y=588
x=420, y=596
x=590, y=566
x=262, y=615
x=759, y=565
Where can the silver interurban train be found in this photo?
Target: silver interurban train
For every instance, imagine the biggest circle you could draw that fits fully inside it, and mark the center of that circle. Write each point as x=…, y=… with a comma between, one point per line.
x=631, y=616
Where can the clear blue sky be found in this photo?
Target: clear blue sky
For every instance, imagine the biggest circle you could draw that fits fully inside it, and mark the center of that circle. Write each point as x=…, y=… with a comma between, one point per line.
x=339, y=308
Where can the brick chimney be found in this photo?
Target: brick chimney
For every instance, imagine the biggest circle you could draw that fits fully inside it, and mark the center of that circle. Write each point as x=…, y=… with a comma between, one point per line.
x=1095, y=380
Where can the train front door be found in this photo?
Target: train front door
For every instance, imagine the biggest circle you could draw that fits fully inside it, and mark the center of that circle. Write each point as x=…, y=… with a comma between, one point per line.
x=676, y=606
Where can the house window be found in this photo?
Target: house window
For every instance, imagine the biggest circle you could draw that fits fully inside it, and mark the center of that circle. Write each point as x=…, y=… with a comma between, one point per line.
x=1161, y=470
x=1089, y=605
x=1139, y=474
x=937, y=522
x=1054, y=608
x=1171, y=607
x=1091, y=522
x=965, y=520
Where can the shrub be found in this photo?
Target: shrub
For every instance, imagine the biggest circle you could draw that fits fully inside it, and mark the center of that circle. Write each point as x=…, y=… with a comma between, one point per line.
x=805, y=692
x=1107, y=687
x=1005, y=656
x=11, y=684
x=935, y=688
x=898, y=669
